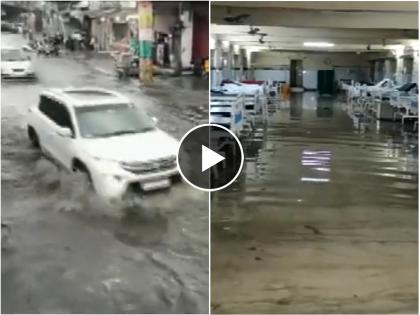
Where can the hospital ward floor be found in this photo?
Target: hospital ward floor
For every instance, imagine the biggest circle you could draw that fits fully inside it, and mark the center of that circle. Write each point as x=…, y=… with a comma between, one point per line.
x=323, y=218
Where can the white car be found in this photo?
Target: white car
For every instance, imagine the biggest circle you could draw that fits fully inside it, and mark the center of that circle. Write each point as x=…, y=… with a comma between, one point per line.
x=15, y=64
x=104, y=135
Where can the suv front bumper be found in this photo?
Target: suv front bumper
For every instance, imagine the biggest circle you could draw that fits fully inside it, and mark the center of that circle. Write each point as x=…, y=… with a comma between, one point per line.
x=116, y=187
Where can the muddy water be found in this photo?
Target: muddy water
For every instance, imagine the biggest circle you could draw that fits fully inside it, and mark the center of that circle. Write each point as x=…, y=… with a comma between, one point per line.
x=66, y=251
x=323, y=218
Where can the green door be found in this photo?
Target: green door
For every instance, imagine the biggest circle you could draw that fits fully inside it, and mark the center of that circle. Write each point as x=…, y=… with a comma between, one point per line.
x=326, y=82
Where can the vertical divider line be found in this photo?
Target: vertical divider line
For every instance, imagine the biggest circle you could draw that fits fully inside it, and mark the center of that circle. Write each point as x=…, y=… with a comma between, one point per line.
x=208, y=107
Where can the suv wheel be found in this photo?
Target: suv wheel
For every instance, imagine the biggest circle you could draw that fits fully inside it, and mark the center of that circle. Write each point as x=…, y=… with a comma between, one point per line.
x=33, y=137
x=81, y=168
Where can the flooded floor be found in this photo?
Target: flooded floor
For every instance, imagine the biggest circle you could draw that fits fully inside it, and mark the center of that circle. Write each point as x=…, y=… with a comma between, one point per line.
x=63, y=249
x=323, y=218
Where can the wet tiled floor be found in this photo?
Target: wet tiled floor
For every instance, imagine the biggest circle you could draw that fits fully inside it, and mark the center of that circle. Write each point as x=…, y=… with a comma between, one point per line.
x=323, y=218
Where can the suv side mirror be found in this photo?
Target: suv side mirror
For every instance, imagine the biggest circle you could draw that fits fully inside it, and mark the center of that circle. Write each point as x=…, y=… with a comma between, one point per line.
x=65, y=132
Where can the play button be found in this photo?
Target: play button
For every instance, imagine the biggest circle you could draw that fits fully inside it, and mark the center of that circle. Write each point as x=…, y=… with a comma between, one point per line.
x=210, y=157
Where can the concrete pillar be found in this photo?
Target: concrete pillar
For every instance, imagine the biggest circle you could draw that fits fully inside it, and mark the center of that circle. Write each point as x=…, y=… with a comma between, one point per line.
x=216, y=64
x=415, y=76
x=388, y=73
x=146, y=38
x=250, y=58
x=399, y=72
x=379, y=70
x=230, y=62
x=236, y=67
x=243, y=64
x=176, y=51
x=237, y=63
x=408, y=69
x=372, y=70
x=399, y=51
x=226, y=60
x=212, y=71
x=186, y=17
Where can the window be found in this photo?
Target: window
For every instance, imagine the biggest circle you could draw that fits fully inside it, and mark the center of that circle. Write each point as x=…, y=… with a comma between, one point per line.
x=12, y=55
x=111, y=120
x=55, y=111
x=45, y=106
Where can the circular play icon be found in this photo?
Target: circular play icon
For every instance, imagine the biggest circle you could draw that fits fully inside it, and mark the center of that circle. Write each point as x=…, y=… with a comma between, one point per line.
x=210, y=157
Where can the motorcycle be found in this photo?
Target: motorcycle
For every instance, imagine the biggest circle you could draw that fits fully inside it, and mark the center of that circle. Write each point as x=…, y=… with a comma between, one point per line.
x=48, y=49
x=55, y=50
x=126, y=65
x=42, y=49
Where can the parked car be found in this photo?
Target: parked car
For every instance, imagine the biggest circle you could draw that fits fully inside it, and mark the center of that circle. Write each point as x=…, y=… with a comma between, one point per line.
x=104, y=135
x=15, y=64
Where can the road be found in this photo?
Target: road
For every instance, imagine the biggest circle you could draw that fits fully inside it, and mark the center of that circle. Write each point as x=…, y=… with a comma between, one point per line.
x=69, y=252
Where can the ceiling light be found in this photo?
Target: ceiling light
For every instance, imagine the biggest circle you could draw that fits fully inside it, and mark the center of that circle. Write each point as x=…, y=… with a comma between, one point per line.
x=318, y=44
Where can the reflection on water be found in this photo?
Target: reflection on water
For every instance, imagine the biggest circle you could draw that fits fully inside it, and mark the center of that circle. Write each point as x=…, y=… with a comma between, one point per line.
x=315, y=168
x=290, y=152
x=189, y=83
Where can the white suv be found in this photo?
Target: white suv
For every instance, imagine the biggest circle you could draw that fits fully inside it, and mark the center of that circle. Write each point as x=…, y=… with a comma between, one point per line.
x=104, y=135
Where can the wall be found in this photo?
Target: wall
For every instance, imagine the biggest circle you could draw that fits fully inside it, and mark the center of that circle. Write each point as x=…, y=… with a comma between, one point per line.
x=350, y=66
x=352, y=73
x=310, y=79
x=186, y=38
x=165, y=20
x=200, y=47
x=311, y=60
x=274, y=75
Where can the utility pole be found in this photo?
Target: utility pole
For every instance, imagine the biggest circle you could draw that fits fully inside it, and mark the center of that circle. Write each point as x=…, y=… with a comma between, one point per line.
x=146, y=39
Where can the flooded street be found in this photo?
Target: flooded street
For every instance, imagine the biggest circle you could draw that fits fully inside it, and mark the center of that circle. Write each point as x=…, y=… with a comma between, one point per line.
x=323, y=218
x=66, y=251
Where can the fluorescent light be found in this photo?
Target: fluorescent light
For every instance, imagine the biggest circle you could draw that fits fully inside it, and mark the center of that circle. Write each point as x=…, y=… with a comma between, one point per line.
x=318, y=44
x=311, y=179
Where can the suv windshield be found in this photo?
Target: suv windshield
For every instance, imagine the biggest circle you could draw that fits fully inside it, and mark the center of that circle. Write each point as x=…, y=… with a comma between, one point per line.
x=12, y=55
x=112, y=120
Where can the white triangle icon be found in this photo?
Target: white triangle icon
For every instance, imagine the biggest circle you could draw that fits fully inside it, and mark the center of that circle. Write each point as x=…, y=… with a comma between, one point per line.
x=209, y=158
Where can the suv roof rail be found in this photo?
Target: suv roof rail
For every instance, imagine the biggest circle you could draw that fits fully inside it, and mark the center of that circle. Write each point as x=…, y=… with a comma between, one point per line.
x=88, y=90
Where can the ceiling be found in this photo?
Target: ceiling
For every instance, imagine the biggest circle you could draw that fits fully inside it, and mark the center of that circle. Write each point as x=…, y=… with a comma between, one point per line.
x=408, y=6
x=350, y=25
